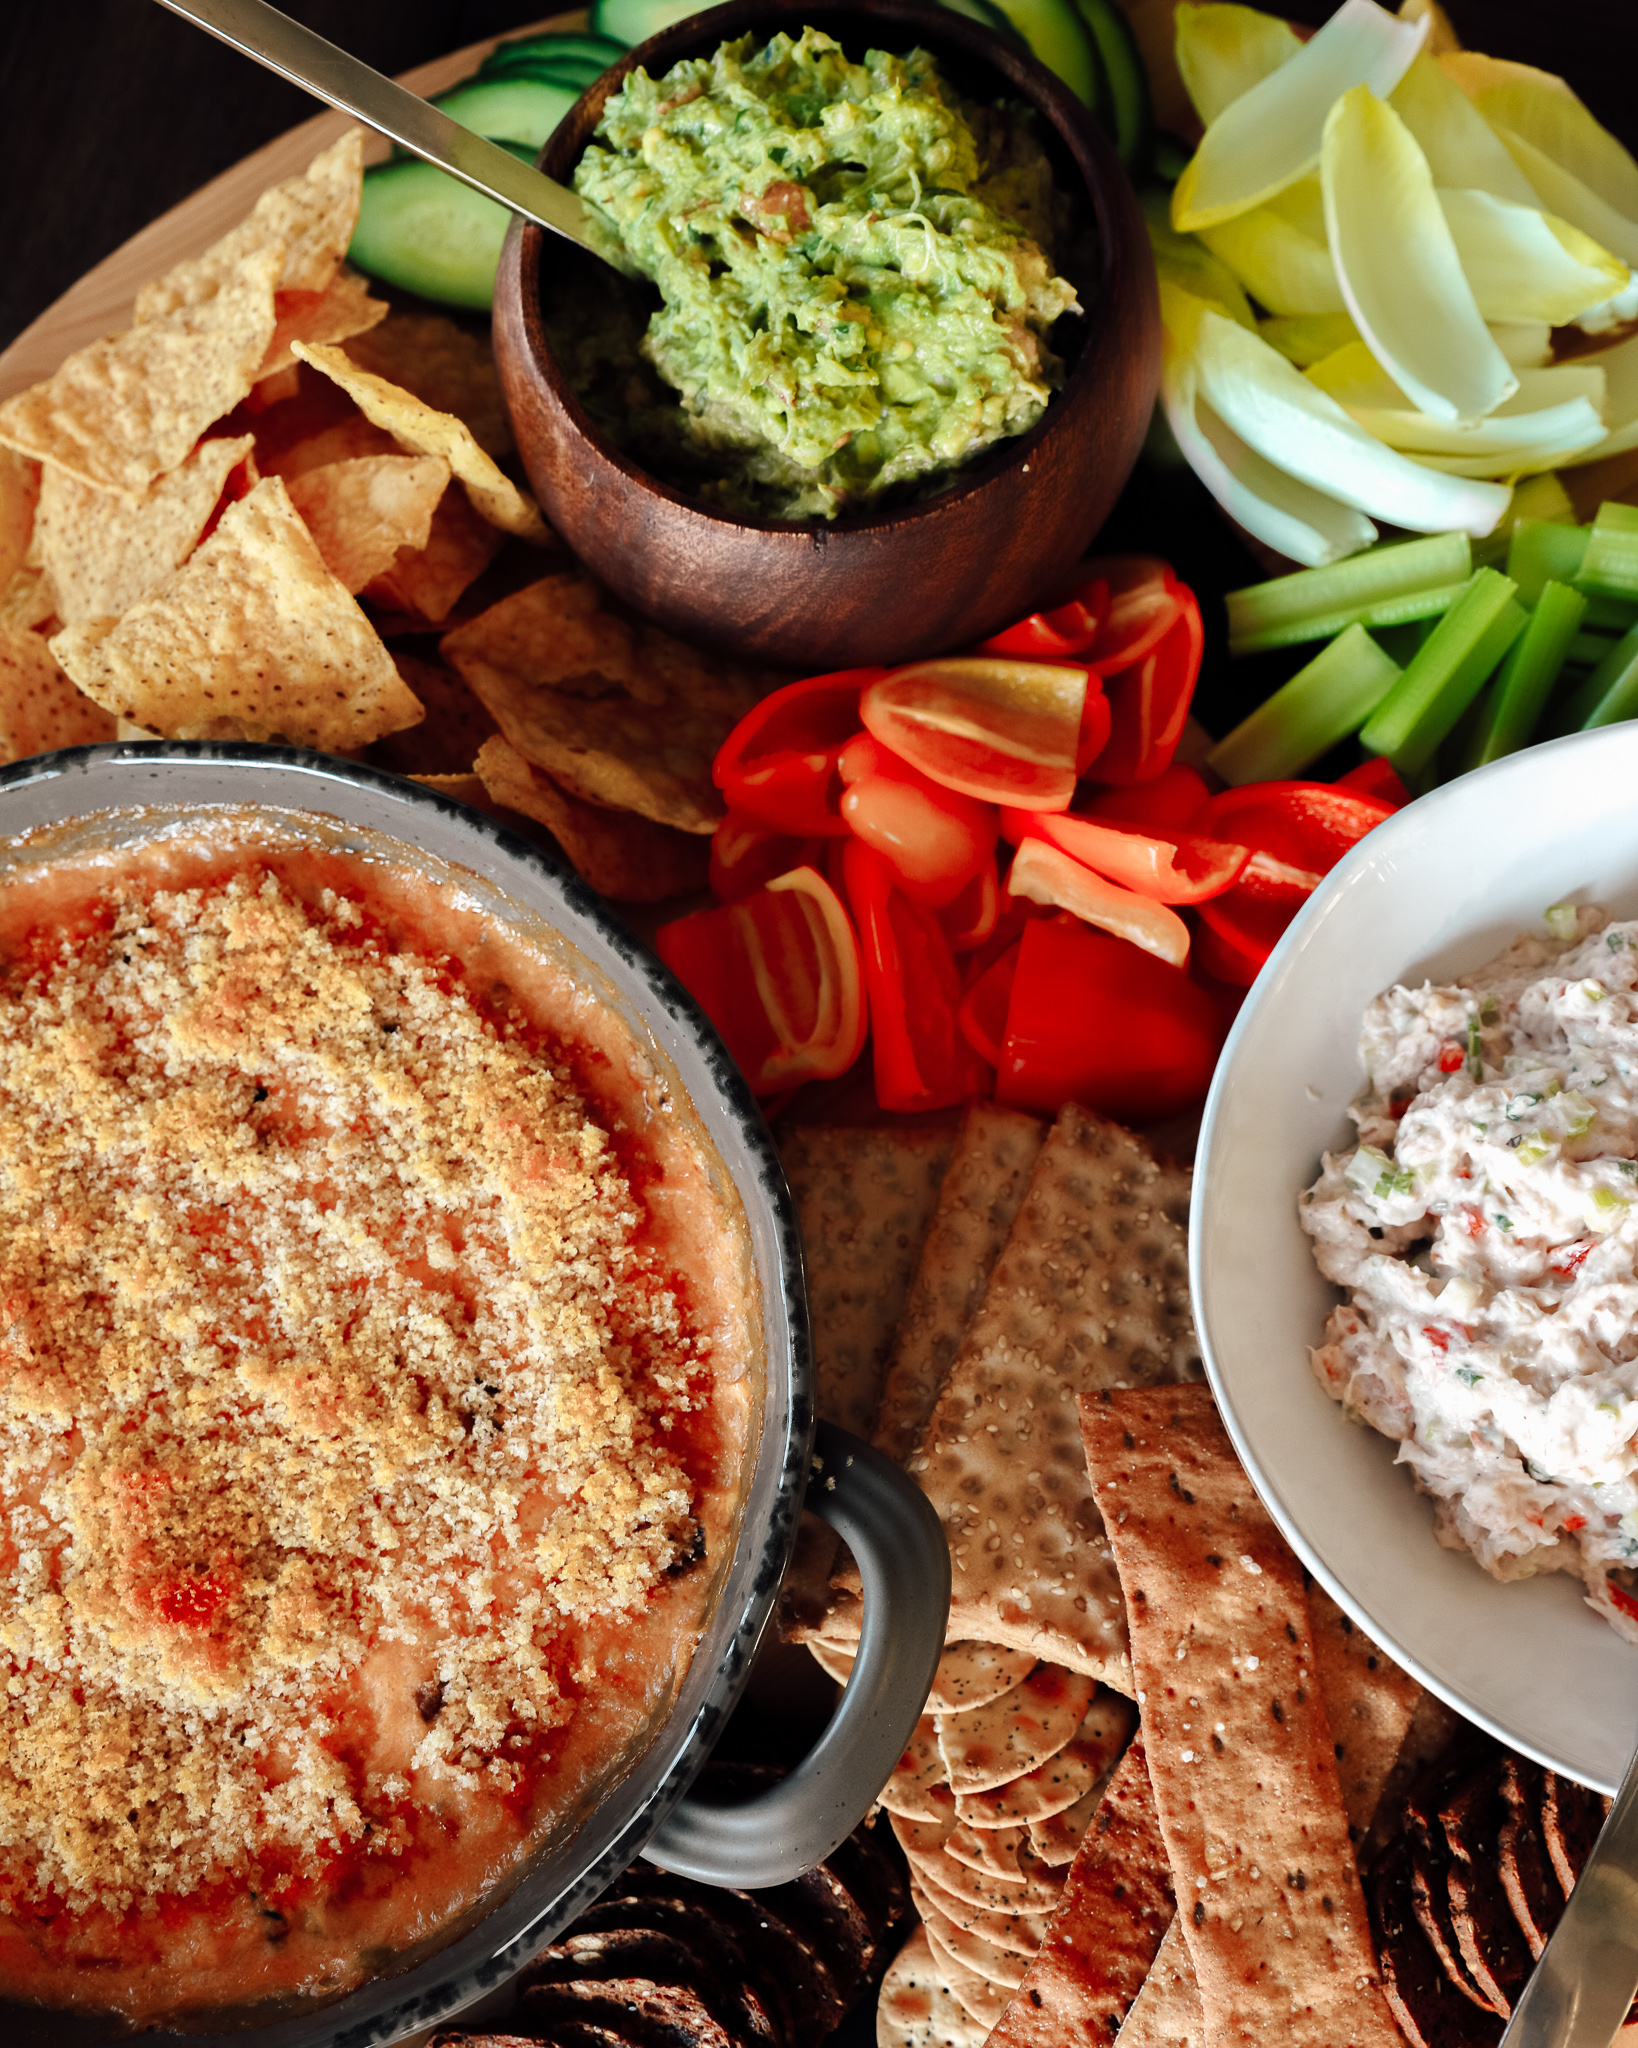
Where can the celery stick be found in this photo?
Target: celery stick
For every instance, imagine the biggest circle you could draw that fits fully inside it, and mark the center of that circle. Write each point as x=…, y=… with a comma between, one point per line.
x=1314, y=604
x=1610, y=693
x=1324, y=702
x=1587, y=650
x=1447, y=673
x=1611, y=614
x=1406, y=608
x=1610, y=568
x=1540, y=549
x=1528, y=674
x=1401, y=642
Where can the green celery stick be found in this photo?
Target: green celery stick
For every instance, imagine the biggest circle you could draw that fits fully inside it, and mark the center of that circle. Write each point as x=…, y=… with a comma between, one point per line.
x=1542, y=549
x=1528, y=674
x=1587, y=650
x=1324, y=702
x=1447, y=673
x=1610, y=568
x=1611, y=614
x=1402, y=641
x=1373, y=587
x=1610, y=693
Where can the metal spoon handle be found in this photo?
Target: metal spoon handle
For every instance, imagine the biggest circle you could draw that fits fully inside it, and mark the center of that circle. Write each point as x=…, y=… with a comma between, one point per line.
x=307, y=60
x=1587, y=1975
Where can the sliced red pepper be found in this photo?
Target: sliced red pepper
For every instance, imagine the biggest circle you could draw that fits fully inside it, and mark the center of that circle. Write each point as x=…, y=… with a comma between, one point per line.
x=1096, y=722
x=1169, y=802
x=780, y=976
x=747, y=856
x=983, y=1013
x=972, y=918
x=1179, y=868
x=921, y=1059
x=1094, y=1020
x=1375, y=777
x=1046, y=874
x=778, y=765
x=1144, y=598
x=1066, y=630
x=935, y=840
x=1003, y=731
x=1308, y=826
x=1149, y=700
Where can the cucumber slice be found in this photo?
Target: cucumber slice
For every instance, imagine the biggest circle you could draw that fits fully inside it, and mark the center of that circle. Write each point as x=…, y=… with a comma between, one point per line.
x=576, y=71
x=523, y=110
x=599, y=50
x=990, y=15
x=425, y=231
x=634, y=21
x=1131, y=123
x=1056, y=33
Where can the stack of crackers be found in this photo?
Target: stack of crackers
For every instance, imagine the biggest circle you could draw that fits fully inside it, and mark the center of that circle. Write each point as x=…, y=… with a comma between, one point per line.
x=274, y=508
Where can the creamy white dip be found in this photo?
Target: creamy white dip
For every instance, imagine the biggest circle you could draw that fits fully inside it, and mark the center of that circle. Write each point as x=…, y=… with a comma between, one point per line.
x=1485, y=1230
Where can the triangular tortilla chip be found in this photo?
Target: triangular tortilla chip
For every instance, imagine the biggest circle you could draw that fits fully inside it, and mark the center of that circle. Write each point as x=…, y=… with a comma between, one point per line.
x=252, y=637
x=40, y=709
x=28, y=600
x=124, y=411
x=442, y=365
x=427, y=582
x=360, y=513
x=309, y=219
x=342, y=310
x=102, y=552
x=425, y=431
x=19, y=494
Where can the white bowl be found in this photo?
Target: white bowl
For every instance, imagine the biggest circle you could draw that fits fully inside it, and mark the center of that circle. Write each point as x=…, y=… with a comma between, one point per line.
x=1439, y=888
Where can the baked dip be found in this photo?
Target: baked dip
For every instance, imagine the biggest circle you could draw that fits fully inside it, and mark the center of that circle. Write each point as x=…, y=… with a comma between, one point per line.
x=374, y=1398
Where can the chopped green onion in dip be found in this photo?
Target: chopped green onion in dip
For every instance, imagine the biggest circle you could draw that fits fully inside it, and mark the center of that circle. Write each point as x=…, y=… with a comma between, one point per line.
x=856, y=298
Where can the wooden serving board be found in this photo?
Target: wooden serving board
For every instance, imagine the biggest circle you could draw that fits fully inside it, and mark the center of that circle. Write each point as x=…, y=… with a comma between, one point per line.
x=100, y=303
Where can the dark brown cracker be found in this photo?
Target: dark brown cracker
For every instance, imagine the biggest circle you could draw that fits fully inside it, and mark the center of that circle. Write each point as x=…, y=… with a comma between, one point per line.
x=1527, y=1874
x=1430, y=2011
x=1491, y=1941
x=1234, y=1725
x=1369, y=1701
x=1116, y=1905
x=637, y=2010
x=1090, y=1291
x=1571, y=1818
x=1430, y=1857
x=661, y=1957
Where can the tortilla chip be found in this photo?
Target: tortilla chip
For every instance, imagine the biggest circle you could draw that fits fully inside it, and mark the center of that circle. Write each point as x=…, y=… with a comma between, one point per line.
x=917, y=2009
x=19, y=494
x=28, y=600
x=1369, y=1702
x=445, y=367
x=1075, y=1773
x=989, y=1171
x=447, y=740
x=360, y=513
x=1234, y=1725
x=1116, y=1906
x=425, y=431
x=1015, y=1734
x=1002, y=1967
x=918, y=1788
x=335, y=440
x=103, y=552
x=342, y=310
x=308, y=219
x=40, y=709
x=617, y=852
x=253, y=636
x=427, y=582
x=126, y=410
x=1167, y=2012
x=1090, y=1291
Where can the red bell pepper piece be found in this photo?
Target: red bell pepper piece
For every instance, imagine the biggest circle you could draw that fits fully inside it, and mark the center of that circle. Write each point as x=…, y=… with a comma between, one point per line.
x=1149, y=700
x=779, y=975
x=975, y=913
x=1094, y=1020
x=921, y=1059
x=1096, y=722
x=1144, y=598
x=1003, y=731
x=983, y=1013
x=1375, y=777
x=1177, y=868
x=935, y=840
x=1169, y=802
x=1068, y=629
x=746, y=857
x=778, y=766
x=1046, y=874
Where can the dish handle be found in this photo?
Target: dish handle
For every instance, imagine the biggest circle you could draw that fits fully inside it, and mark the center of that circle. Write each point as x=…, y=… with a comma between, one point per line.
x=897, y=1541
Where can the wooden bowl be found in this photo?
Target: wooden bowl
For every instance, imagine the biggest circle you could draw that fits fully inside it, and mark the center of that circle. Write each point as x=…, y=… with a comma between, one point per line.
x=884, y=586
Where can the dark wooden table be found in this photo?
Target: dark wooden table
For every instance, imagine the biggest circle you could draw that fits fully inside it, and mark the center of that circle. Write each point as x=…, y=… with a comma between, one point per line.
x=113, y=110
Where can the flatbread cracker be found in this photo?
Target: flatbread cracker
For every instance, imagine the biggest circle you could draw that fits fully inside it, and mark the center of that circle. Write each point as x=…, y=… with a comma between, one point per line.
x=40, y=709
x=19, y=494
x=918, y=1788
x=1117, y=1904
x=1234, y=1725
x=1091, y=1290
x=103, y=551
x=973, y=1674
x=1074, y=1773
x=1056, y=1838
x=445, y=367
x=123, y=411
x=423, y=430
x=361, y=512
x=989, y=1171
x=977, y=1996
x=1167, y=2012
x=917, y=2009
x=993, y=1850
x=1369, y=1702
x=251, y=636
x=1003, y=1967
x=343, y=310
x=947, y=1878
x=426, y=583
x=1015, y=1734
x=1022, y=1932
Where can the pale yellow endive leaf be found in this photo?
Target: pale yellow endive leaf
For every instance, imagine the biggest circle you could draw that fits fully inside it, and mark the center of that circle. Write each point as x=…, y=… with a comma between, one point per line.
x=1223, y=51
x=1527, y=344
x=1270, y=136
x=1526, y=265
x=1565, y=195
x=1543, y=111
x=1459, y=143
x=1309, y=337
x=1284, y=269
x=1620, y=368
x=1398, y=268
x=1441, y=35
x=1188, y=262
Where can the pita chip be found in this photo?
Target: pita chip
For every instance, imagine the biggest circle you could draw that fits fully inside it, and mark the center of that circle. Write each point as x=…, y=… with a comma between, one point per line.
x=252, y=637
x=1167, y=2012
x=360, y=513
x=102, y=552
x=19, y=494
x=917, y=2009
x=427, y=582
x=40, y=709
x=1235, y=1730
x=973, y=1674
x=423, y=430
x=444, y=366
x=126, y=410
x=1091, y=1290
x=342, y=310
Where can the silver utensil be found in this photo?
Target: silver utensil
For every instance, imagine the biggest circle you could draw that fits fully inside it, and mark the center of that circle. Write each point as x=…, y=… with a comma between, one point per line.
x=329, y=74
x=1584, y=1983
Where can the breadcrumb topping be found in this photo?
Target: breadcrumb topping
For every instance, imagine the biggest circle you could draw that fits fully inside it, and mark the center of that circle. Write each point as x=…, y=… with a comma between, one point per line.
x=327, y=1339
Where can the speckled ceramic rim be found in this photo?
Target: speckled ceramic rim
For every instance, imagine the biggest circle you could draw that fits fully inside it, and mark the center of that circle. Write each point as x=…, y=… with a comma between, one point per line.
x=495, y=864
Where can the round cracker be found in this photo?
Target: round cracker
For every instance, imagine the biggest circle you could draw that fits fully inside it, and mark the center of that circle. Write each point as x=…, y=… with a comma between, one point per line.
x=973, y=1674
x=1075, y=1771
x=1023, y=1933
x=918, y=1788
x=923, y=1837
x=917, y=2009
x=834, y=1662
x=1016, y=1733
x=977, y=1996
x=998, y=1966
x=993, y=1849
x=1056, y=1838
x=982, y=1888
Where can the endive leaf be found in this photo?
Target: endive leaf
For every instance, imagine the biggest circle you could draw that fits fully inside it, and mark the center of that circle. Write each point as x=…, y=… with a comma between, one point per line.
x=1295, y=426
x=1564, y=194
x=1620, y=367
x=1543, y=111
x=1270, y=136
x=1441, y=36
x=1355, y=379
x=1189, y=263
x=1397, y=264
x=1309, y=338
x=1527, y=344
x=1524, y=264
x=1223, y=51
x=1459, y=143
x=1284, y=269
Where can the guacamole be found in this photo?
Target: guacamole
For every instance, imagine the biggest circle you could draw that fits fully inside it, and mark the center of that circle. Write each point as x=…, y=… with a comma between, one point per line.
x=855, y=294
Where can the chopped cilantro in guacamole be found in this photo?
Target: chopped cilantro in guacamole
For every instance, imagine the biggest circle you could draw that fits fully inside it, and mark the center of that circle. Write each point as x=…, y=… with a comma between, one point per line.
x=855, y=295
